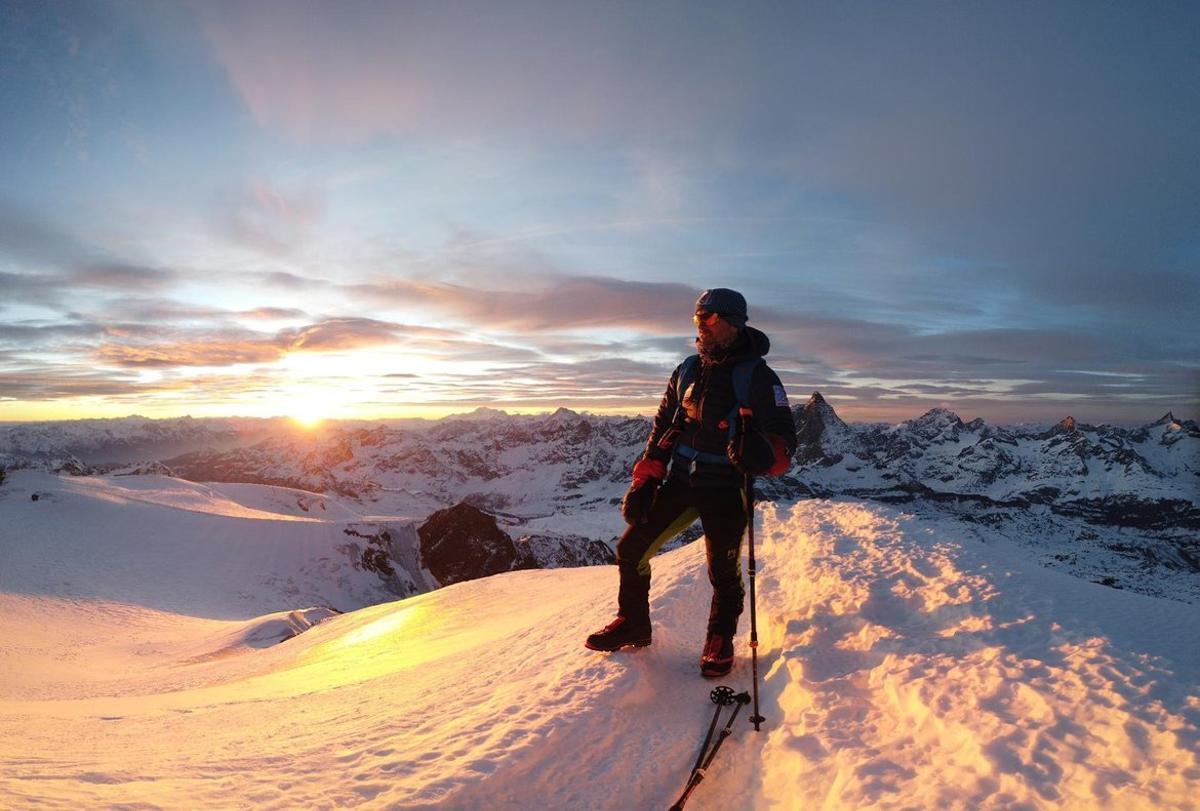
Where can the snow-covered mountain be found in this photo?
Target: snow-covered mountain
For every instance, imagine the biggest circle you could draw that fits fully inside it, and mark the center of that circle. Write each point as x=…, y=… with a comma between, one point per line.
x=517, y=465
x=1119, y=506
x=125, y=440
x=1114, y=505
x=903, y=665
x=1153, y=471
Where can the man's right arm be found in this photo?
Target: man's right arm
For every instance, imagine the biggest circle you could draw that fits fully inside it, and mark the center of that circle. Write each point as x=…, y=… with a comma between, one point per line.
x=664, y=432
x=651, y=469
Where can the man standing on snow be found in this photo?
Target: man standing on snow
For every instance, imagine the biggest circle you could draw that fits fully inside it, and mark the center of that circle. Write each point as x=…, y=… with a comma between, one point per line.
x=711, y=453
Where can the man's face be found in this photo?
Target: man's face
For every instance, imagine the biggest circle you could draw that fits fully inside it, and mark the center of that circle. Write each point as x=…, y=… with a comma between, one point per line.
x=713, y=330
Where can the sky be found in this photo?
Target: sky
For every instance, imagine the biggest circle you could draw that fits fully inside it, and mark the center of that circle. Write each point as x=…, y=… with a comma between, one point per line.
x=365, y=209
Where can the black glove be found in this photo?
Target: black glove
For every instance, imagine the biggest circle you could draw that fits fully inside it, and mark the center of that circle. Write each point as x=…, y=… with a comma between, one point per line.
x=752, y=453
x=635, y=507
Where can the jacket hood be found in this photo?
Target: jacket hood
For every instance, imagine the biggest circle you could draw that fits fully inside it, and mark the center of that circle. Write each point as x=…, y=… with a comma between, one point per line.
x=759, y=343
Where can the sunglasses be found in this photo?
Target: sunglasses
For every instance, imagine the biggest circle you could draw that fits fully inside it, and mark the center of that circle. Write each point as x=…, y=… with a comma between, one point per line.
x=708, y=319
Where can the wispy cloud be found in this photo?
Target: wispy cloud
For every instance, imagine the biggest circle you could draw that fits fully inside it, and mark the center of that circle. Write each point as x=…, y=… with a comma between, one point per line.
x=120, y=278
x=270, y=219
x=184, y=353
x=142, y=346
x=545, y=303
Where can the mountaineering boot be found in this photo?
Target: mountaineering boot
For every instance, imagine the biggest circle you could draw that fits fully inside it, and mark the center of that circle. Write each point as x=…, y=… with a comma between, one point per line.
x=620, y=633
x=717, y=659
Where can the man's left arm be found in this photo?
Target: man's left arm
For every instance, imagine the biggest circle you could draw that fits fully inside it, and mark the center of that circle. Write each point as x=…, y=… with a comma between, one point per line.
x=771, y=439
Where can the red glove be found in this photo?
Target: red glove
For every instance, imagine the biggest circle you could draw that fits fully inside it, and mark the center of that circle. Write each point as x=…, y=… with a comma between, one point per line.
x=647, y=476
x=647, y=469
x=782, y=461
x=760, y=454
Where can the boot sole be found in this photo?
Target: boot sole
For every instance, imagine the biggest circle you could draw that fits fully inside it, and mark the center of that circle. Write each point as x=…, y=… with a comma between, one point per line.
x=637, y=643
x=715, y=670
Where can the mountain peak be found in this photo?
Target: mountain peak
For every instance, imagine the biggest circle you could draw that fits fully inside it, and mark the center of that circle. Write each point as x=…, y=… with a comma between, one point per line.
x=1066, y=424
x=937, y=417
x=481, y=413
x=819, y=431
x=1165, y=419
x=938, y=411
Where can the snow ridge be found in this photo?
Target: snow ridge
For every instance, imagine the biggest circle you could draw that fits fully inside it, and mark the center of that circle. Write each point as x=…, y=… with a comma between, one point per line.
x=904, y=665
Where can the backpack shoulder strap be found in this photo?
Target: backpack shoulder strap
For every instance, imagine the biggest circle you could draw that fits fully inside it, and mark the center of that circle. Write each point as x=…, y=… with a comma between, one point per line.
x=687, y=372
x=743, y=371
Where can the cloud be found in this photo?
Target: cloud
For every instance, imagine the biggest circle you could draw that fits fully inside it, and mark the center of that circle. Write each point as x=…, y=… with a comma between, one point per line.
x=41, y=335
x=282, y=279
x=56, y=381
x=271, y=313
x=346, y=333
x=188, y=353
x=28, y=288
x=544, y=303
x=36, y=243
x=121, y=277
x=152, y=346
x=270, y=219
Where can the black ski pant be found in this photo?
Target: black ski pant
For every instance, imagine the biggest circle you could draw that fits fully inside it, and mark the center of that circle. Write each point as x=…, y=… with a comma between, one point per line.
x=722, y=513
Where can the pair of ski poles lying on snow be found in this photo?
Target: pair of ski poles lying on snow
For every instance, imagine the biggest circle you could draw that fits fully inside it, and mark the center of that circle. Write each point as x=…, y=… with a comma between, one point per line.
x=724, y=696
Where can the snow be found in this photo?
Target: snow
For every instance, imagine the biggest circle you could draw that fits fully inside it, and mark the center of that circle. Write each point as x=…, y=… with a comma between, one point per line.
x=179, y=546
x=904, y=666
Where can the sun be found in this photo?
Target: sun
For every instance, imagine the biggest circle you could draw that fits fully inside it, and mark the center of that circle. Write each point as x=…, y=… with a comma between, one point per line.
x=310, y=405
x=309, y=415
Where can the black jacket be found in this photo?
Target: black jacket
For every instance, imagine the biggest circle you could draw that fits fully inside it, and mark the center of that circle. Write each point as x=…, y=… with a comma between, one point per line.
x=707, y=403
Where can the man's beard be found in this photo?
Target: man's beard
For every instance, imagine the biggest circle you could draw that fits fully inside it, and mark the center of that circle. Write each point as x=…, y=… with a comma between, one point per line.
x=709, y=345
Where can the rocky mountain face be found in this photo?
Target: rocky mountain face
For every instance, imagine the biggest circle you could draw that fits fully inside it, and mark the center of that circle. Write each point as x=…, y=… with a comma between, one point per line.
x=463, y=542
x=1072, y=467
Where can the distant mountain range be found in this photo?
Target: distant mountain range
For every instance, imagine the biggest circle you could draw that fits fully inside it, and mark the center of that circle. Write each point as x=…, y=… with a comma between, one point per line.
x=1145, y=477
x=1091, y=499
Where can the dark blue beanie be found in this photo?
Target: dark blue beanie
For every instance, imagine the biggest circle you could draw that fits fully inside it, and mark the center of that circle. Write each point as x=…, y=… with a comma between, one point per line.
x=730, y=304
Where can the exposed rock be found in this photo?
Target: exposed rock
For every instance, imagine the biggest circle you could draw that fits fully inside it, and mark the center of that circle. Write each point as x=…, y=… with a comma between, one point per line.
x=820, y=432
x=464, y=543
x=72, y=467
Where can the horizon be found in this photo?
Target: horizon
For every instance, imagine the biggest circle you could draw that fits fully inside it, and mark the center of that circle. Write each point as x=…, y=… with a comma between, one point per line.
x=374, y=212
x=317, y=424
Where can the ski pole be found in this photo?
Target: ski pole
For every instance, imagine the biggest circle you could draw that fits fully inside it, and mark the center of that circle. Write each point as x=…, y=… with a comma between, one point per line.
x=719, y=696
x=745, y=414
x=726, y=731
x=699, y=772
